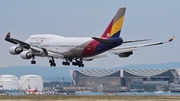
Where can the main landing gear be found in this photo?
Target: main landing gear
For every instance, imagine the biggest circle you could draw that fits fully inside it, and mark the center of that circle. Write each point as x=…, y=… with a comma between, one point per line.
x=33, y=60
x=52, y=62
x=78, y=63
x=66, y=63
x=75, y=62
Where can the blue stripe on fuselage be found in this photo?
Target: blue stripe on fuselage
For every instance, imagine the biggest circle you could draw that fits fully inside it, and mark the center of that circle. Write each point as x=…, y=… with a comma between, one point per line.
x=104, y=47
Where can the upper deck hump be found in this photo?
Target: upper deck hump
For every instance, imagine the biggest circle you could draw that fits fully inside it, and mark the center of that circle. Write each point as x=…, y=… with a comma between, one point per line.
x=45, y=36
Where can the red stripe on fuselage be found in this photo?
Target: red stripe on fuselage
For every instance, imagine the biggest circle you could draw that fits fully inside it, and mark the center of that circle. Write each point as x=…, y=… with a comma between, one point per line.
x=89, y=50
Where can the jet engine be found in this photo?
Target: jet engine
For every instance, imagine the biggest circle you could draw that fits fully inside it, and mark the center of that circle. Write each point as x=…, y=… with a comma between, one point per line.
x=14, y=50
x=125, y=54
x=26, y=55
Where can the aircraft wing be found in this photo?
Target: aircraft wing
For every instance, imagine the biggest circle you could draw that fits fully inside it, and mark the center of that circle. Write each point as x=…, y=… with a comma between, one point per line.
x=38, y=50
x=120, y=50
x=15, y=41
x=47, y=52
x=136, y=41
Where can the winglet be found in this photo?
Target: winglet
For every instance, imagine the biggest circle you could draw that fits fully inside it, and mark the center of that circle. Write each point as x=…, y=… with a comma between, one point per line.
x=171, y=39
x=8, y=35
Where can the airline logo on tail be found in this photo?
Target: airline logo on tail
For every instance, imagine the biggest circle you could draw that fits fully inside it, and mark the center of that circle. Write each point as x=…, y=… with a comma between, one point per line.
x=8, y=35
x=109, y=39
x=115, y=26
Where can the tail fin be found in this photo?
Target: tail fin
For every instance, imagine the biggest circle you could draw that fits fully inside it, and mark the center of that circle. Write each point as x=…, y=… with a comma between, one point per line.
x=115, y=26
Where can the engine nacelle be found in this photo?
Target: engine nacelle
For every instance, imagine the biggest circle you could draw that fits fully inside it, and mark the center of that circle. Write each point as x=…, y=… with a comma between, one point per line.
x=14, y=50
x=26, y=55
x=125, y=54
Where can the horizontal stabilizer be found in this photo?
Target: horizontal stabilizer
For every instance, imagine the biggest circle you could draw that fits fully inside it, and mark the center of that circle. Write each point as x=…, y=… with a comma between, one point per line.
x=103, y=41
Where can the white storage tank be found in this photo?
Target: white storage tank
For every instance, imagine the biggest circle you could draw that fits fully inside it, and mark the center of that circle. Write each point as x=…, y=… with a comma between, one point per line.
x=32, y=81
x=9, y=82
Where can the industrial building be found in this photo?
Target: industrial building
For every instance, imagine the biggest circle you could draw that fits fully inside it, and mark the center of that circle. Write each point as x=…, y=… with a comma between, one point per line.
x=127, y=79
x=11, y=82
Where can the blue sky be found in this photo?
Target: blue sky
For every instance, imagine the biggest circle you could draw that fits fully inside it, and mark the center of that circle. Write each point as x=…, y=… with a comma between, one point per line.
x=155, y=19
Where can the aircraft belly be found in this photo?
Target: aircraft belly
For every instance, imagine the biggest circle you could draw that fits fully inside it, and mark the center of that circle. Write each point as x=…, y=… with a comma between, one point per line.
x=73, y=53
x=77, y=51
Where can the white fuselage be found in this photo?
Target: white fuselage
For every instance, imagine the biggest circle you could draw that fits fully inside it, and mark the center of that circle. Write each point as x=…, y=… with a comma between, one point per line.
x=58, y=43
x=71, y=47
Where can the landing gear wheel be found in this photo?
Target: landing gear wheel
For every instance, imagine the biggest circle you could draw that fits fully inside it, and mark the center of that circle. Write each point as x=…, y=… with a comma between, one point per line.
x=78, y=63
x=66, y=63
x=63, y=63
x=74, y=63
x=33, y=62
x=52, y=62
x=82, y=65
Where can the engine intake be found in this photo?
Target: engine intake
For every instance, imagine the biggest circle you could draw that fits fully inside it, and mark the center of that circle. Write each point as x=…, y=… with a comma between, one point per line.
x=14, y=50
x=26, y=55
x=125, y=54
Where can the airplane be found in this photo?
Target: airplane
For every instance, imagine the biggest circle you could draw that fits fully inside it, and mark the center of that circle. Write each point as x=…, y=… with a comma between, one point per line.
x=75, y=50
x=31, y=91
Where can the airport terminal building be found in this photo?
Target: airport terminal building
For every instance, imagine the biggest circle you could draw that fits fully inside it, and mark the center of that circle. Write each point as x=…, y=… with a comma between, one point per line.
x=127, y=79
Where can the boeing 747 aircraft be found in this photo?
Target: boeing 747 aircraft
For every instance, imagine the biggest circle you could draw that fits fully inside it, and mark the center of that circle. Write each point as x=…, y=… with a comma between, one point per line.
x=75, y=50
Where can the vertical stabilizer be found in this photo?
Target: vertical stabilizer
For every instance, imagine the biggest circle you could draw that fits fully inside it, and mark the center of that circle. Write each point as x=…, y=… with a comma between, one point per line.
x=115, y=26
